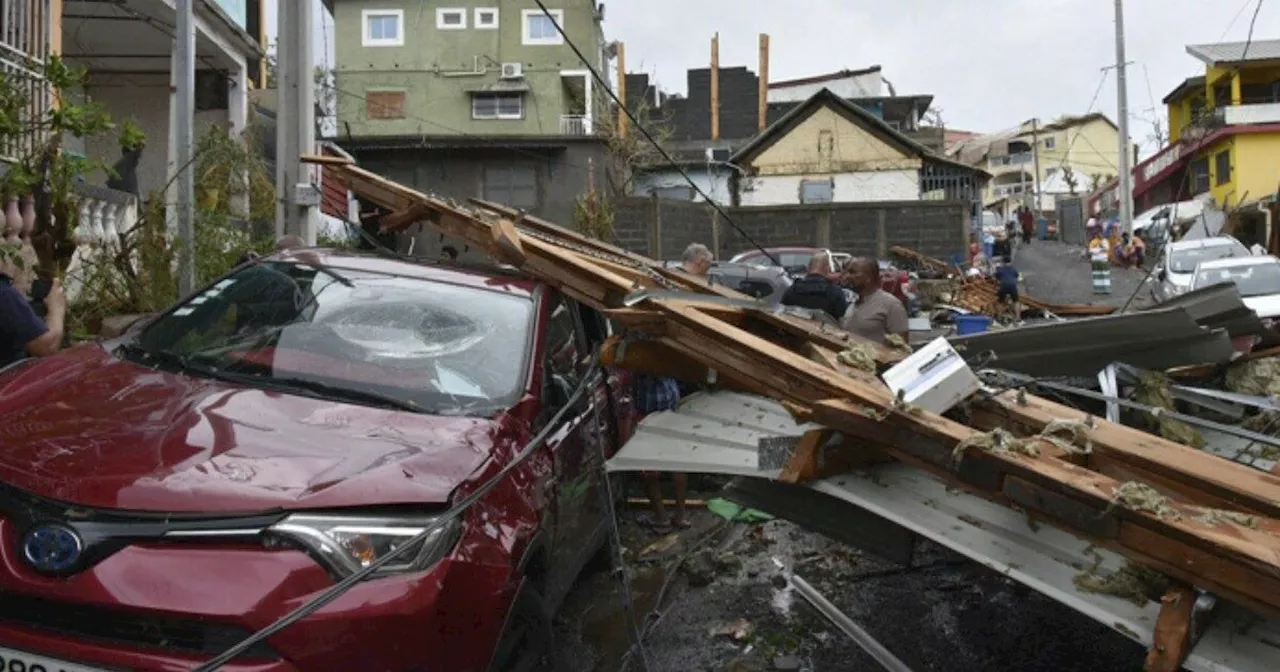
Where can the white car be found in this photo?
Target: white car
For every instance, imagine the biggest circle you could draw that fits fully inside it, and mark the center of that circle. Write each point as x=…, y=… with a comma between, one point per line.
x=1178, y=262
x=1256, y=278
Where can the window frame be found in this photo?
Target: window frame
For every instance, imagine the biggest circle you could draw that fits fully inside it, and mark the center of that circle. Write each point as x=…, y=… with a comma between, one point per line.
x=488, y=185
x=498, y=115
x=527, y=40
x=828, y=184
x=442, y=12
x=404, y=104
x=366, y=40
x=478, y=25
x=1220, y=176
x=1050, y=143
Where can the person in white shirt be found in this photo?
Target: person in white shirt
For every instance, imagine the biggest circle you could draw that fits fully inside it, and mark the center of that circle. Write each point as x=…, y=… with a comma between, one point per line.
x=1100, y=262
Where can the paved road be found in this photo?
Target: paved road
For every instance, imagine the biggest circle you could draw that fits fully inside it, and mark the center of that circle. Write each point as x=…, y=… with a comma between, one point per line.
x=1058, y=273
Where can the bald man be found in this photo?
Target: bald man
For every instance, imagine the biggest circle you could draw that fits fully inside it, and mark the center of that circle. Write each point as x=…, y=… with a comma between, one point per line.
x=875, y=313
x=816, y=291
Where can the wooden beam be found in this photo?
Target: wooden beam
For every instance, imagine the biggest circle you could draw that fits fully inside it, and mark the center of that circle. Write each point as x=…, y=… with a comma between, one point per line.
x=624, y=123
x=506, y=242
x=1171, y=638
x=763, y=103
x=325, y=160
x=715, y=87
x=803, y=464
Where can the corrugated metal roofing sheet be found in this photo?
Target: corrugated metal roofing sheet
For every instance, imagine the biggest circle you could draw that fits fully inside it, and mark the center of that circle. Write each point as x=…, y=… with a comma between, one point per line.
x=1232, y=52
x=718, y=433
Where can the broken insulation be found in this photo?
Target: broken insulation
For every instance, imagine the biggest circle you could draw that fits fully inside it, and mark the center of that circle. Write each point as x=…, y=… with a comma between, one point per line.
x=1142, y=497
x=1153, y=390
x=995, y=441
x=1071, y=436
x=1132, y=582
x=895, y=342
x=1258, y=376
x=860, y=355
x=1212, y=517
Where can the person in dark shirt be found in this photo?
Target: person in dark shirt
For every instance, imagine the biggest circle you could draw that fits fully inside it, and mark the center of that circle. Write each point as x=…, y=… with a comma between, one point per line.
x=816, y=291
x=1007, y=276
x=22, y=334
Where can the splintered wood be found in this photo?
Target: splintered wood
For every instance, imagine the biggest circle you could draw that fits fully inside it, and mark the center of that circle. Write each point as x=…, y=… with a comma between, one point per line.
x=1072, y=471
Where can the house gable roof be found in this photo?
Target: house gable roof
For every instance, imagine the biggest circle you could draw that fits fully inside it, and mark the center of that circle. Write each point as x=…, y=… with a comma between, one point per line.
x=854, y=114
x=825, y=98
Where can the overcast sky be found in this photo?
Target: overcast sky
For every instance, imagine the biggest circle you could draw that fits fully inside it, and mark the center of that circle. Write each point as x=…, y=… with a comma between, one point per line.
x=989, y=63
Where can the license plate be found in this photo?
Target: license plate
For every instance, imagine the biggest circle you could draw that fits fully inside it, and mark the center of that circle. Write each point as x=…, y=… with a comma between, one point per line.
x=21, y=661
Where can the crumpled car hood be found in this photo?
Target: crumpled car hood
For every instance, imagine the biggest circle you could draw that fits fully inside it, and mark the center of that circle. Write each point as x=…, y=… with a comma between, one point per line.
x=89, y=429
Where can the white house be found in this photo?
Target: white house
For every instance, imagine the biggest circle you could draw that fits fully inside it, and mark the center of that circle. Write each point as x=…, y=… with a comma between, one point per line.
x=829, y=149
x=864, y=83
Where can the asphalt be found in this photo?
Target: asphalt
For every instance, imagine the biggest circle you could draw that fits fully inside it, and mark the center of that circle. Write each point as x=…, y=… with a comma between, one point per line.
x=725, y=609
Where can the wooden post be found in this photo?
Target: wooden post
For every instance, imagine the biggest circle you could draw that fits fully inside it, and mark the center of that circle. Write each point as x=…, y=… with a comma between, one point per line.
x=55, y=26
x=623, y=121
x=764, y=81
x=715, y=87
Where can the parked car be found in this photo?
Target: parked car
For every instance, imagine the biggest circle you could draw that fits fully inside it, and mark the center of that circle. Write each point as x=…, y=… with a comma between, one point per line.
x=166, y=494
x=1256, y=278
x=1178, y=260
x=795, y=260
x=767, y=283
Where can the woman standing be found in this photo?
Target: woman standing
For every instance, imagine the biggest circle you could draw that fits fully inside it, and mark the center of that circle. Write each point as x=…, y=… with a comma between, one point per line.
x=1100, y=261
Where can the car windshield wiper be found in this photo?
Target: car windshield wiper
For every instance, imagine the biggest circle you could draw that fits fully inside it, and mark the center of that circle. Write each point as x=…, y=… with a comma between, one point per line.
x=341, y=393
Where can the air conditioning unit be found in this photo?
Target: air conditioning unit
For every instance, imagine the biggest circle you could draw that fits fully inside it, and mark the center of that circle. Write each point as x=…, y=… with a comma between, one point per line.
x=720, y=155
x=512, y=70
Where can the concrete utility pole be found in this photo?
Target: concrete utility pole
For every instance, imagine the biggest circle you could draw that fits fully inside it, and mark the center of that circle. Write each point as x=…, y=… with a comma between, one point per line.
x=182, y=119
x=1035, y=154
x=1124, y=190
x=296, y=199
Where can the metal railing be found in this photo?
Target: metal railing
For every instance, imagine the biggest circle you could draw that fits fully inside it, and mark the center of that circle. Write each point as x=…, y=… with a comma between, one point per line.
x=575, y=124
x=24, y=47
x=1010, y=160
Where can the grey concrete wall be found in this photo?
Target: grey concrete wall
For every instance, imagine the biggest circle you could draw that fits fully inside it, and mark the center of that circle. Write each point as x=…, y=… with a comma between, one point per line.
x=660, y=228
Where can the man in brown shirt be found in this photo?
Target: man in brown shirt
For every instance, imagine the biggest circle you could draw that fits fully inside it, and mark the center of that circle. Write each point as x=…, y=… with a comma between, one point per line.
x=876, y=313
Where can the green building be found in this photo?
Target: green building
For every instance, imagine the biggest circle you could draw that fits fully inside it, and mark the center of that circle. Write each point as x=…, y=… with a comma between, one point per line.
x=473, y=97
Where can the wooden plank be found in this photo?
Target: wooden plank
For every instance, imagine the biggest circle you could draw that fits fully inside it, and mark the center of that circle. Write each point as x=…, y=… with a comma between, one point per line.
x=1198, y=476
x=325, y=160
x=506, y=242
x=403, y=218
x=803, y=463
x=1171, y=638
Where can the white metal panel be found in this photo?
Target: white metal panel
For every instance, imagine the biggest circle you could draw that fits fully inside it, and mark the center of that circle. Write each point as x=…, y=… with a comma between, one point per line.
x=717, y=433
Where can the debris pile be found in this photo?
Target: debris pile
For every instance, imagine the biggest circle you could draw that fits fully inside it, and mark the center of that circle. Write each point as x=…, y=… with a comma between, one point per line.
x=1087, y=477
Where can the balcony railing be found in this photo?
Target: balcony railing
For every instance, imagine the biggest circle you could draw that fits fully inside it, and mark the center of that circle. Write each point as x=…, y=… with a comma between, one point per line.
x=104, y=214
x=1256, y=113
x=1010, y=160
x=24, y=46
x=575, y=124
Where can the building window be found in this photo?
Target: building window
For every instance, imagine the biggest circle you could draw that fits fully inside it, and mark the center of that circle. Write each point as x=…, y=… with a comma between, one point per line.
x=538, y=29
x=674, y=193
x=515, y=186
x=451, y=18
x=486, y=18
x=1050, y=143
x=497, y=106
x=817, y=191
x=384, y=105
x=383, y=27
x=1199, y=176
x=1222, y=167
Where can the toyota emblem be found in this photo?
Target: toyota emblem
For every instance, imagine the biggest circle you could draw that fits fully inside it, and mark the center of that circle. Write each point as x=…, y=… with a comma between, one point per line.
x=52, y=548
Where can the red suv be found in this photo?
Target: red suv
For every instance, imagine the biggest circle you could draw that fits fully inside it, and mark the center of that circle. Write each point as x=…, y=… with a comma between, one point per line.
x=165, y=495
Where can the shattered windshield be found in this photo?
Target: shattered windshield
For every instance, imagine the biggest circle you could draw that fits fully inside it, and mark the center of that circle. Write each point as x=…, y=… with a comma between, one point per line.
x=352, y=335
x=1252, y=280
x=1184, y=261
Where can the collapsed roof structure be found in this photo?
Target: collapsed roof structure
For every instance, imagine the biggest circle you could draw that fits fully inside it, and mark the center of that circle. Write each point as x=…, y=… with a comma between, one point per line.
x=1207, y=523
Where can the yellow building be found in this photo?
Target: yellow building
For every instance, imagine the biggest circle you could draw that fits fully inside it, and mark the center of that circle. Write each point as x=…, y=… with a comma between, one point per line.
x=1070, y=155
x=1224, y=128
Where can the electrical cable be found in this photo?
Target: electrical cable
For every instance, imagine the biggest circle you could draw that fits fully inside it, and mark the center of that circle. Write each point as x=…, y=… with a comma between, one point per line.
x=604, y=84
x=338, y=589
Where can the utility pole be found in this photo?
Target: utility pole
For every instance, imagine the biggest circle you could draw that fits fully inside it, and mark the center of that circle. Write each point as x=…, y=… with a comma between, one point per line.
x=1035, y=154
x=183, y=120
x=297, y=198
x=1124, y=189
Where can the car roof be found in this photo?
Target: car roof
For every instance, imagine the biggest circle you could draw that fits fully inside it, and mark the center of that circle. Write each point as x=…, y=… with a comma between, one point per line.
x=480, y=276
x=1232, y=262
x=1216, y=241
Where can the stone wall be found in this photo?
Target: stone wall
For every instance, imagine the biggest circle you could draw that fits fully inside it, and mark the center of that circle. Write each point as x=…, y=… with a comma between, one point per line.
x=662, y=228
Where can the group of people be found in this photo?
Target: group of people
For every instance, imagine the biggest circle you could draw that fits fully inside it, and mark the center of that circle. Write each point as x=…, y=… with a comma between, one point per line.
x=873, y=314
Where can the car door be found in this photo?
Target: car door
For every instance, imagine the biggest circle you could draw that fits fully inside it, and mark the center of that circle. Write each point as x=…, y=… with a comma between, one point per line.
x=566, y=360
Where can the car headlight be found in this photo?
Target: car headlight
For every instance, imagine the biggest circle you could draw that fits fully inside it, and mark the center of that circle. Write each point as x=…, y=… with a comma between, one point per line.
x=347, y=544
